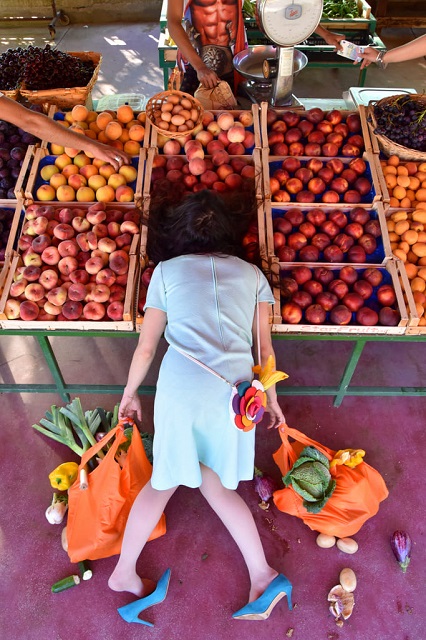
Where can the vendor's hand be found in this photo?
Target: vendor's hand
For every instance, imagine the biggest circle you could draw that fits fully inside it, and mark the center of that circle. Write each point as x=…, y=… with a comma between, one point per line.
x=334, y=39
x=115, y=157
x=130, y=406
x=276, y=416
x=369, y=56
x=208, y=77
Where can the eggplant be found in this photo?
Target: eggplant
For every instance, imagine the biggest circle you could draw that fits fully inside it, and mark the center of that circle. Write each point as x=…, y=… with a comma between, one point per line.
x=265, y=487
x=401, y=547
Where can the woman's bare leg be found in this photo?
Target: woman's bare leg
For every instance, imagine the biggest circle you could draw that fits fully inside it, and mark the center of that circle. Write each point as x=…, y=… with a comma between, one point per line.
x=143, y=517
x=238, y=519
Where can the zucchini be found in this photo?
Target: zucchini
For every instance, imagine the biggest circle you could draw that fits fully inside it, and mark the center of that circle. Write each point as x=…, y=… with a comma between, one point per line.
x=85, y=572
x=65, y=583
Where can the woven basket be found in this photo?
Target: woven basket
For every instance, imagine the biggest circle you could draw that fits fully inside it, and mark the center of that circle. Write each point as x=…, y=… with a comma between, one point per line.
x=153, y=108
x=68, y=97
x=388, y=146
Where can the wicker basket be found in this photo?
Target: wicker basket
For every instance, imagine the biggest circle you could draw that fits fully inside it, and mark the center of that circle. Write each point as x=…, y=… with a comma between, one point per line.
x=68, y=97
x=155, y=103
x=388, y=146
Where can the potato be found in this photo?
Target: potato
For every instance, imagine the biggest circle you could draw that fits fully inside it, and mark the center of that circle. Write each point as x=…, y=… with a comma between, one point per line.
x=347, y=579
x=347, y=545
x=324, y=541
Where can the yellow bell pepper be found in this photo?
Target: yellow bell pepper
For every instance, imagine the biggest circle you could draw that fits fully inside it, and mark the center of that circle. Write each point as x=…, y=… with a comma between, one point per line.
x=63, y=476
x=349, y=457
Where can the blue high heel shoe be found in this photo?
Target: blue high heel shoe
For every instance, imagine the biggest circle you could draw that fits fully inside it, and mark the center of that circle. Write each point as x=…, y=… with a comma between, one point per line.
x=261, y=608
x=130, y=612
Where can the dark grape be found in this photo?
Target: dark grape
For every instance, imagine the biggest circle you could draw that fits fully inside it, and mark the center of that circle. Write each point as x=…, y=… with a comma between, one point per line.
x=403, y=121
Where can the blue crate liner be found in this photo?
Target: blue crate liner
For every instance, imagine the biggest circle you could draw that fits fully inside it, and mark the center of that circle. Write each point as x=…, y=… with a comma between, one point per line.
x=372, y=302
x=51, y=160
x=367, y=199
x=376, y=257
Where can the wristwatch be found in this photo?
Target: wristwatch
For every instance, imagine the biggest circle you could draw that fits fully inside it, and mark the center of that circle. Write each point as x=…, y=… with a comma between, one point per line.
x=379, y=60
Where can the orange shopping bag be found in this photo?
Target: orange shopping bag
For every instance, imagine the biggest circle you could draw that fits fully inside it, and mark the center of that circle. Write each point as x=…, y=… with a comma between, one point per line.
x=97, y=515
x=356, y=497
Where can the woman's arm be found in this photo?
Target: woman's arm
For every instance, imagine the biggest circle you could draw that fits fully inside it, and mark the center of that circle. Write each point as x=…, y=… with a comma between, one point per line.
x=48, y=129
x=153, y=327
x=409, y=51
x=276, y=416
x=206, y=76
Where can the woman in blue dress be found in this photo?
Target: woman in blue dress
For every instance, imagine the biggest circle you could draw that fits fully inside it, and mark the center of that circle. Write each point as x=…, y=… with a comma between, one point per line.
x=213, y=307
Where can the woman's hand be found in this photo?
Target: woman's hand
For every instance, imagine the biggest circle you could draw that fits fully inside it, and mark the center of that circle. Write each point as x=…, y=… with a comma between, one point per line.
x=130, y=406
x=369, y=56
x=276, y=416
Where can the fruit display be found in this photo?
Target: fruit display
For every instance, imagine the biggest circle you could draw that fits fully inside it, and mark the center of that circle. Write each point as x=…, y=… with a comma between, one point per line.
x=122, y=129
x=46, y=68
x=405, y=182
x=14, y=143
x=195, y=171
x=320, y=180
x=401, y=119
x=313, y=133
x=231, y=131
x=74, y=263
x=324, y=235
x=340, y=296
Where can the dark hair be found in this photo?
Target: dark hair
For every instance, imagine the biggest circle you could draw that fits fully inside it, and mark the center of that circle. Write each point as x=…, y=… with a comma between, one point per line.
x=203, y=222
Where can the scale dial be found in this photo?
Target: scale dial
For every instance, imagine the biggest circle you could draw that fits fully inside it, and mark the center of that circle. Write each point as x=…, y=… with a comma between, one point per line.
x=289, y=22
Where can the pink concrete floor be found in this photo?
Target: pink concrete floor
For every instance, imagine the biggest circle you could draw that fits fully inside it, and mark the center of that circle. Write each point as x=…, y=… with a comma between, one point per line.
x=209, y=580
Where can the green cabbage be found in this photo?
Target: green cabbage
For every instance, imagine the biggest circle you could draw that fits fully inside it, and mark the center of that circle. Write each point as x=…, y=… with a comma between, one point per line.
x=310, y=477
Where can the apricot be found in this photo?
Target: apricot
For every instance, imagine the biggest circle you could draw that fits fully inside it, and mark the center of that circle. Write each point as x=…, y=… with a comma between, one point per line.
x=393, y=161
x=103, y=119
x=79, y=112
x=411, y=270
x=102, y=137
x=399, y=253
x=393, y=202
x=403, y=181
x=399, y=192
x=411, y=168
x=414, y=183
x=113, y=130
x=405, y=202
x=421, y=194
x=401, y=227
x=390, y=180
x=410, y=236
x=125, y=113
x=389, y=170
x=402, y=170
x=137, y=132
x=418, y=284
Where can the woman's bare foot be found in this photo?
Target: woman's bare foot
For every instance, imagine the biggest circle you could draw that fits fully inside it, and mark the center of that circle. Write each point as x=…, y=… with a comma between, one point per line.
x=259, y=585
x=132, y=583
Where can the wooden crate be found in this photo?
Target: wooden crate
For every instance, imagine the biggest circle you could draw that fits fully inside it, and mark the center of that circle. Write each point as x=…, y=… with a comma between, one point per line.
x=18, y=216
x=380, y=256
x=392, y=274
x=254, y=128
x=126, y=324
x=364, y=21
x=370, y=139
x=265, y=129
x=67, y=97
x=42, y=158
x=253, y=159
x=386, y=196
x=271, y=163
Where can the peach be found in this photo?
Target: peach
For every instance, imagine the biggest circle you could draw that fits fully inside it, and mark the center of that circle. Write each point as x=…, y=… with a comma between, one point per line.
x=48, y=171
x=193, y=152
x=248, y=171
x=113, y=130
x=41, y=242
x=236, y=133
x=103, y=119
x=63, y=231
x=67, y=264
x=85, y=194
x=100, y=230
x=100, y=254
x=93, y=311
x=124, y=193
x=76, y=181
x=95, y=217
x=233, y=181
x=92, y=240
x=129, y=172
x=100, y=293
x=45, y=192
x=65, y=193
x=105, y=194
x=106, y=276
x=62, y=161
x=88, y=170
x=72, y=310
x=17, y=288
x=117, y=292
x=137, y=132
x=80, y=275
x=119, y=262
x=30, y=257
x=12, y=309
x=68, y=248
x=77, y=291
x=31, y=273
x=93, y=265
x=82, y=241
x=132, y=148
x=97, y=181
x=115, y=310
x=57, y=296
x=113, y=229
x=204, y=137
x=48, y=279
x=123, y=240
x=56, y=149
x=248, y=141
x=116, y=180
x=80, y=224
x=197, y=166
x=107, y=245
x=225, y=121
x=29, y=310
x=172, y=148
x=34, y=291
x=51, y=309
x=220, y=157
x=50, y=256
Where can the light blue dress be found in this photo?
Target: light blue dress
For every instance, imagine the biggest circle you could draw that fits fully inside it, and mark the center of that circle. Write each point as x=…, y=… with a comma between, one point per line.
x=210, y=306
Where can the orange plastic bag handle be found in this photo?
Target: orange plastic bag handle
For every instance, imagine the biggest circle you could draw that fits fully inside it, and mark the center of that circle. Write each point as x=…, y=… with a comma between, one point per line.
x=286, y=432
x=117, y=431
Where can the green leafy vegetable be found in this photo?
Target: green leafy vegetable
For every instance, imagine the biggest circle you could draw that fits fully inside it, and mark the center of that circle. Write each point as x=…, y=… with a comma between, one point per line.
x=310, y=477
